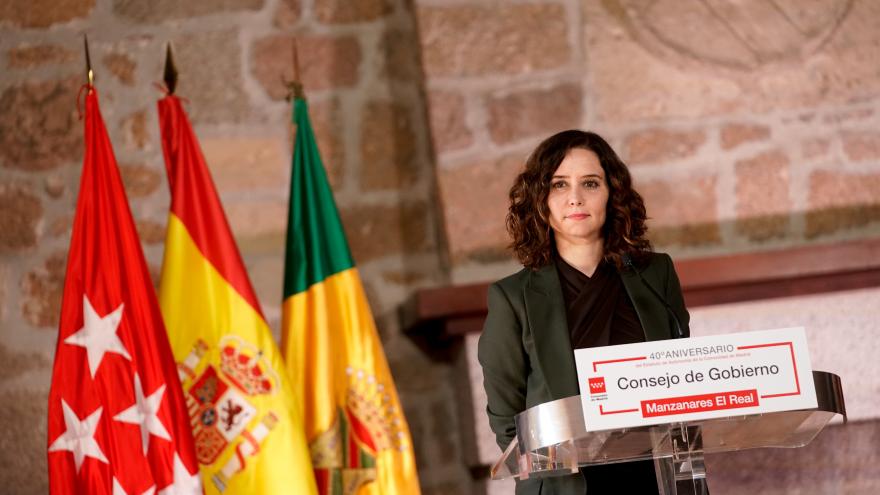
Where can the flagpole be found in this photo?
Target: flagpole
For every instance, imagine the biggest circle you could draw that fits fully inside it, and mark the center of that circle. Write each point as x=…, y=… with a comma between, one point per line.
x=295, y=87
x=90, y=75
x=170, y=76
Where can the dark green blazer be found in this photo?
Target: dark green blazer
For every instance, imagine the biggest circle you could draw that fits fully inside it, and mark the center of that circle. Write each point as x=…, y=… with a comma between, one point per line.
x=525, y=348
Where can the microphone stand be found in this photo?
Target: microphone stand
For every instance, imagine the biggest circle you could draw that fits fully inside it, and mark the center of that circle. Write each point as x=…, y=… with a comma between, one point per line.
x=628, y=262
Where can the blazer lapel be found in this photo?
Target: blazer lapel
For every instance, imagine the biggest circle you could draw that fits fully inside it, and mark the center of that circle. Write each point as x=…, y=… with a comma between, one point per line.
x=545, y=308
x=652, y=313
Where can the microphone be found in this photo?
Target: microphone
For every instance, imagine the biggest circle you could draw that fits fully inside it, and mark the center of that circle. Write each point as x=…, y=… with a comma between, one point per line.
x=628, y=262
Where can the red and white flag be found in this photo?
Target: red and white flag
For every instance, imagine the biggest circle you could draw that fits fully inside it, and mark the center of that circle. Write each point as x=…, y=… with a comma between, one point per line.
x=118, y=423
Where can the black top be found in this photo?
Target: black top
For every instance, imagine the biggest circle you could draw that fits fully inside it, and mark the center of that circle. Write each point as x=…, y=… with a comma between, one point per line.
x=598, y=309
x=600, y=313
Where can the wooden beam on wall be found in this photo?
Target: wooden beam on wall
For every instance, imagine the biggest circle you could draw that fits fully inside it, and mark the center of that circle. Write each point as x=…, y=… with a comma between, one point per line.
x=444, y=313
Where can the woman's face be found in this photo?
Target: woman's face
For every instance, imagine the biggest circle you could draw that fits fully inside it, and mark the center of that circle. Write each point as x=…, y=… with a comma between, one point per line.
x=578, y=198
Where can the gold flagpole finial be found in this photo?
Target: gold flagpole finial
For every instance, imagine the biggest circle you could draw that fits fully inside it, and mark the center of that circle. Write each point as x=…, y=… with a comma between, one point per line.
x=170, y=76
x=90, y=75
x=294, y=87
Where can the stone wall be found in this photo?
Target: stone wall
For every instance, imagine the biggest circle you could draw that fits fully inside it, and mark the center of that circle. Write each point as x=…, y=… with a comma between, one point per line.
x=362, y=74
x=746, y=127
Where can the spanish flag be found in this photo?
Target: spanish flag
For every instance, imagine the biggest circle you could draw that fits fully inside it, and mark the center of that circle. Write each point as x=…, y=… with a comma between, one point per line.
x=246, y=424
x=358, y=436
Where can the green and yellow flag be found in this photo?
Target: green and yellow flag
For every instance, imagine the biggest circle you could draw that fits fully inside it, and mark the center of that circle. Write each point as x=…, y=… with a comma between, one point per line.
x=358, y=437
x=246, y=424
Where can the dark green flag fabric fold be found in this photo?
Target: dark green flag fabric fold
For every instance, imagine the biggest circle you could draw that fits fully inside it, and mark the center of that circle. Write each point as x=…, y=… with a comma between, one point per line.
x=316, y=245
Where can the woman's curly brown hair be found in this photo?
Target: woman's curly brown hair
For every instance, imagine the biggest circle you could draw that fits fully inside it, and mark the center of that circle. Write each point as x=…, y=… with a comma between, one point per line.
x=528, y=216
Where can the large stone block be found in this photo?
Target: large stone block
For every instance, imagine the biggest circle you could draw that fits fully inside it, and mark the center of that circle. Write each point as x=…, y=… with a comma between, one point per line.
x=682, y=212
x=20, y=212
x=389, y=149
x=121, y=66
x=387, y=230
x=39, y=128
x=214, y=87
x=848, y=115
x=347, y=12
x=150, y=232
x=404, y=278
x=841, y=201
x=32, y=56
x=861, y=146
x=502, y=38
x=243, y=164
x=41, y=290
x=266, y=276
x=16, y=363
x=44, y=13
x=257, y=221
x=139, y=180
x=162, y=10
x=659, y=145
x=329, y=126
x=24, y=438
x=288, y=13
x=3, y=290
x=326, y=62
x=449, y=128
x=60, y=226
x=815, y=147
x=136, y=132
x=475, y=202
x=534, y=112
x=763, y=201
x=733, y=135
x=734, y=57
x=401, y=60
x=55, y=186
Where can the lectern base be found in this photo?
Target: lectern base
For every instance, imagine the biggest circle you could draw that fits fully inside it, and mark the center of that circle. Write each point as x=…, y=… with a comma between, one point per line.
x=684, y=472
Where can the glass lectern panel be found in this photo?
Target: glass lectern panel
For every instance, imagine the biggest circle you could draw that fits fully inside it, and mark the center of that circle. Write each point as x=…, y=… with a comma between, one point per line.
x=552, y=439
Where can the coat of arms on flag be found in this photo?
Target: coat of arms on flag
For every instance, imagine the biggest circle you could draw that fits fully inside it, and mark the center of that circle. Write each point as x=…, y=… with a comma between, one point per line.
x=243, y=414
x=344, y=456
x=358, y=437
x=220, y=403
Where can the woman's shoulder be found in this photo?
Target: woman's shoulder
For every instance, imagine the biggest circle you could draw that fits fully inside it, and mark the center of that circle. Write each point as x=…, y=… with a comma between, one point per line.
x=648, y=262
x=659, y=264
x=513, y=281
x=652, y=258
x=656, y=257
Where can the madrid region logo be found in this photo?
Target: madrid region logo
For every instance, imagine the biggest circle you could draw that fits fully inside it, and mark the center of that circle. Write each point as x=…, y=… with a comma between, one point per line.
x=597, y=388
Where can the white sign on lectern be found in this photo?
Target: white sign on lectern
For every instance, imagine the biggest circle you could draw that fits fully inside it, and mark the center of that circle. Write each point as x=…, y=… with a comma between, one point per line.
x=668, y=381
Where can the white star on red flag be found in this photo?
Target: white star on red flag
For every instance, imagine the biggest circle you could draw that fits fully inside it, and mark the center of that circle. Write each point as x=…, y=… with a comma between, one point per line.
x=144, y=413
x=111, y=325
x=79, y=437
x=98, y=335
x=184, y=482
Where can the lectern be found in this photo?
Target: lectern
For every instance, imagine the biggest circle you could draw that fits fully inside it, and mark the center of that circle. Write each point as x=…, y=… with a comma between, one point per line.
x=552, y=440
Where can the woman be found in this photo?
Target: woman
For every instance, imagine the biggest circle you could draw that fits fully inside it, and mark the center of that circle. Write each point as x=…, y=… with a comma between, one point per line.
x=578, y=227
